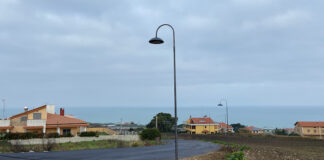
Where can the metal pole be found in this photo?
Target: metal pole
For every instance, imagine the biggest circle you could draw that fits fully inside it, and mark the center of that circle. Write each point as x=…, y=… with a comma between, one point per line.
x=175, y=89
x=226, y=117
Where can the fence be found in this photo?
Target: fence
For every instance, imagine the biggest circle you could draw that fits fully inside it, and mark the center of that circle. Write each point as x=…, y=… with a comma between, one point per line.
x=74, y=139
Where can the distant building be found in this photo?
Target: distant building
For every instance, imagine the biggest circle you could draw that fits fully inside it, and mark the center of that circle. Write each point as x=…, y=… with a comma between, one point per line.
x=204, y=125
x=309, y=129
x=268, y=130
x=254, y=130
x=43, y=120
x=223, y=127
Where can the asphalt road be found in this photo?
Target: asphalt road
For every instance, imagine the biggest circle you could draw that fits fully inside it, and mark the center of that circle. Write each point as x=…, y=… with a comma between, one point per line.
x=187, y=148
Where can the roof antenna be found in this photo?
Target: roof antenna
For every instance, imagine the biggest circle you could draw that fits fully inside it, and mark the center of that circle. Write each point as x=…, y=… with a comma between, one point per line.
x=4, y=106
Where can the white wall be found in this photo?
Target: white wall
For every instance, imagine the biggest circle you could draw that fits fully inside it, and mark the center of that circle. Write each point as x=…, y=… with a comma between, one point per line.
x=36, y=122
x=4, y=123
x=50, y=109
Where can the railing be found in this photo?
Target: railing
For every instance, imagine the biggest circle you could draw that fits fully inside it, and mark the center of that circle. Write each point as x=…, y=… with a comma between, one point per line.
x=38, y=122
x=4, y=123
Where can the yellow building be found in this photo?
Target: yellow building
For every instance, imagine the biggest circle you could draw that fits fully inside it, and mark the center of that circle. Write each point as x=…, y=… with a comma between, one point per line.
x=309, y=129
x=43, y=120
x=203, y=125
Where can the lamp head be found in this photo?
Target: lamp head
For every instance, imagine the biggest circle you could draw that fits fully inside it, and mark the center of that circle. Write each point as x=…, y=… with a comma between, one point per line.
x=220, y=105
x=156, y=40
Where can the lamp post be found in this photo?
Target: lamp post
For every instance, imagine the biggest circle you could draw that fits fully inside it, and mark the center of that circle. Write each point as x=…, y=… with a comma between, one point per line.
x=157, y=40
x=220, y=104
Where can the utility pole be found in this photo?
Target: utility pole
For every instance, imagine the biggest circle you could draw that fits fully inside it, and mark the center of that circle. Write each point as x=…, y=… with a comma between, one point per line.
x=4, y=106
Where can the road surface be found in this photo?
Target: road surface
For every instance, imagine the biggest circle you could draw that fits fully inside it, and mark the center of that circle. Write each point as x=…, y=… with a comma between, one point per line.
x=187, y=148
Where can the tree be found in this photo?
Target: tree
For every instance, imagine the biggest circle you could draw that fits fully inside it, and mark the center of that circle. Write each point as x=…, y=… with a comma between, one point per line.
x=237, y=126
x=165, y=122
x=150, y=134
x=280, y=132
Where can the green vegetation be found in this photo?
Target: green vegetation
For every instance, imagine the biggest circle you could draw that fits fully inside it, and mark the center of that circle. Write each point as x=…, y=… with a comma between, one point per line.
x=89, y=134
x=150, y=134
x=28, y=135
x=237, y=126
x=165, y=122
x=280, y=132
x=235, y=156
x=7, y=147
x=53, y=135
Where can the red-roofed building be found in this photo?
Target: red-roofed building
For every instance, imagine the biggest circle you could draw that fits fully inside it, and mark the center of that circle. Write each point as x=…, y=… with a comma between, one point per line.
x=201, y=125
x=309, y=128
x=43, y=120
x=223, y=127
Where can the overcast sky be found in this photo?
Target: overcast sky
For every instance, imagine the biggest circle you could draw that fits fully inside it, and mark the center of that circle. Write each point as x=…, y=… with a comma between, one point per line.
x=96, y=52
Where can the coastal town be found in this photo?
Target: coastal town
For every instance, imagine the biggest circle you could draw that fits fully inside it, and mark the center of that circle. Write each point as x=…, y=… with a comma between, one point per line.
x=44, y=120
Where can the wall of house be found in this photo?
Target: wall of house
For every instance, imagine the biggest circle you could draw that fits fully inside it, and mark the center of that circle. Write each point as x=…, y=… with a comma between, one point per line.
x=74, y=131
x=51, y=130
x=18, y=125
x=42, y=111
x=311, y=131
x=200, y=128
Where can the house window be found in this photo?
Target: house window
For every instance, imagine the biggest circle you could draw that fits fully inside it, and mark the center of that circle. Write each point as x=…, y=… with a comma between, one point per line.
x=193, y=127
x=66, y=131
x=37, y=115
x=23, y=119
x=205, y=126
x=193, y=132
x=314, y=130
x=308, y=130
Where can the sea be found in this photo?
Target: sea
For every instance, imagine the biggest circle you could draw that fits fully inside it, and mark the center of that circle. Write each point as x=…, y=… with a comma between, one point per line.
x=262, y=117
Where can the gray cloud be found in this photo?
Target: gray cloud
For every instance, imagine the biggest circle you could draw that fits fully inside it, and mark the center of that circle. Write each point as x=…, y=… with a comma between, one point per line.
x=83, y=53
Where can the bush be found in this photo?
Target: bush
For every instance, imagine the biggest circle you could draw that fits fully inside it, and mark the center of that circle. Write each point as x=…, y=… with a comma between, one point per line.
x=52, y=135
x=236, y=156
x=28, y=135
x=89, y=134
x=66, y=135
x=293, y=134
x=150, y=134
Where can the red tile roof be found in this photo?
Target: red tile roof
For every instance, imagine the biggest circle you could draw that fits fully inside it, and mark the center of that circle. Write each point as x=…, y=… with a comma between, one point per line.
x=30, y=111
x=6, y=127
x=250, y=128
x=223, y=125
x=55, y=119
x=204, y=120
x=309, y=124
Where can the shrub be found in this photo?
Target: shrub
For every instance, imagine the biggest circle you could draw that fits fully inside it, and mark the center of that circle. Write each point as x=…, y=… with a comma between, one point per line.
x=66, y=135
x=293, y=134
x=52, y=135
x=89, y=134
x=236, y=156
x=150, y=134
x=28, y=135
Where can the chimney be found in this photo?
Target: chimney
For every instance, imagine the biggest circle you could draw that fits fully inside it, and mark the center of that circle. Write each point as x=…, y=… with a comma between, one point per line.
x=26, y=109
x=62, y=111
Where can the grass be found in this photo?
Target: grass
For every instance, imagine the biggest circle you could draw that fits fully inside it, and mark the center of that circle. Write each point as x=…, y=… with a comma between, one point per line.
x=101, y=144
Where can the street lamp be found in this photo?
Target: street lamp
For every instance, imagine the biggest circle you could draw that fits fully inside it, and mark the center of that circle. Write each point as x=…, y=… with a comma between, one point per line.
x=157, y=40
x=220, y=105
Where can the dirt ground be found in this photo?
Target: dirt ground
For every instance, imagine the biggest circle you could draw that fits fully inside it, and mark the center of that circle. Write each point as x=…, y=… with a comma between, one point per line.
x=267, y=147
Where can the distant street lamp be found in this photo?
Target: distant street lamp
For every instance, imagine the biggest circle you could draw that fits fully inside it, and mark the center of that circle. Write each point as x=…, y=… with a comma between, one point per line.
x=157, y=40
x=220, y=104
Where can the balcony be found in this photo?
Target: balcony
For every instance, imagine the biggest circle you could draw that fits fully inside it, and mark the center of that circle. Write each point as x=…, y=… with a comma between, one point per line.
x=34, y=122
x=4, y=123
